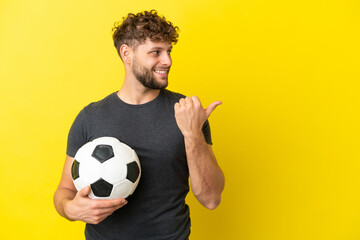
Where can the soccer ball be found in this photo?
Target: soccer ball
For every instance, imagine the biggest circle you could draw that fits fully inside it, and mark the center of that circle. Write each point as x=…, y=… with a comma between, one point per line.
x=110, y=167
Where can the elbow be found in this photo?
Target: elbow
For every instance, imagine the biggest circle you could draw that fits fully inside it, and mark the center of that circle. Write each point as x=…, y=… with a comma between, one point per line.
x=213, y=200
x=210, y=199
x=212, y=203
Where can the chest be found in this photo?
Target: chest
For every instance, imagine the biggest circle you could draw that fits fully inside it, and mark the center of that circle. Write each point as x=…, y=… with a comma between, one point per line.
x=152, y=133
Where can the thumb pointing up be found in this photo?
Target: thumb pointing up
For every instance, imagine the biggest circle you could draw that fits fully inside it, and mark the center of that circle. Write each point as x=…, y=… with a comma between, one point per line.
x=211, y=108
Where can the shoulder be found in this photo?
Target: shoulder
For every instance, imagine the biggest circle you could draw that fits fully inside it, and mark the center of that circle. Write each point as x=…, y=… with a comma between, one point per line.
x=173, y=95
x=100, y=105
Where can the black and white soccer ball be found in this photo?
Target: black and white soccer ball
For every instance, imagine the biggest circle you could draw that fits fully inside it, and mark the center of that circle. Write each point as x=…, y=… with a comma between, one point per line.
x=110, y=167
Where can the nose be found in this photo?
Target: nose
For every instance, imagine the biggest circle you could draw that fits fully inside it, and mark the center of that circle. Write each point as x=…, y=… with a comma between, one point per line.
x=166, y=60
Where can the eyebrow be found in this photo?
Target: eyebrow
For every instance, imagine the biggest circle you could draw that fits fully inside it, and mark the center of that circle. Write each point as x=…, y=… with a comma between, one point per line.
x=160, y=48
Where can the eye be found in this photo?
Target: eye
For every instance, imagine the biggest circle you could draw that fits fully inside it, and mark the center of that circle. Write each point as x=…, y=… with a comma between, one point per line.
x=155, y=52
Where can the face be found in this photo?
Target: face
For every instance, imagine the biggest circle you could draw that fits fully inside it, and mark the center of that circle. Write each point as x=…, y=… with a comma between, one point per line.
x=151, y=64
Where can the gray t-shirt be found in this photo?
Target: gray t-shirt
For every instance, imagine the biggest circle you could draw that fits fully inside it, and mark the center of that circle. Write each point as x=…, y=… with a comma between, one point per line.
x=157, y=209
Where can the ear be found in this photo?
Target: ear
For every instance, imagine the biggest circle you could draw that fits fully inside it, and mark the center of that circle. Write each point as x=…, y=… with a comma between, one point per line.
x=125, y=53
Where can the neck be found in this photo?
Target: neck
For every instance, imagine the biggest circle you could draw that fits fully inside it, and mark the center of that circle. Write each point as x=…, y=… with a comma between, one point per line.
x=133, y=92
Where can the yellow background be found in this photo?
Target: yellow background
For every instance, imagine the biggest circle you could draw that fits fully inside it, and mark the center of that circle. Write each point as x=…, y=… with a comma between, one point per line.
x=286, y=137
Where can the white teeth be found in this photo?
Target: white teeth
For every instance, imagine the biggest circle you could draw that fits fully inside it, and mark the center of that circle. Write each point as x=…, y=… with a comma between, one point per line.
x=161, y=72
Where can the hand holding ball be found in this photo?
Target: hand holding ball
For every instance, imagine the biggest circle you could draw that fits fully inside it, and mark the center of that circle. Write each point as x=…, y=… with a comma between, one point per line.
x=108, y=166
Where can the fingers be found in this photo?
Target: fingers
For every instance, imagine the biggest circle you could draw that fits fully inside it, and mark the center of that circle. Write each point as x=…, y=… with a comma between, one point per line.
x=101, y=209
x=189, y=102
x=182, y=101
x=110, y=203
x=91, y=210
x=105, y=208
x=84, y=192
x=177, y=106
x=211, y=108
x=102, y=203
x=194, y=101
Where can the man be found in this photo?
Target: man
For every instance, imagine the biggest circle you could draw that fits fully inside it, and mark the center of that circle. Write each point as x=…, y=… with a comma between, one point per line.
x=169, y=132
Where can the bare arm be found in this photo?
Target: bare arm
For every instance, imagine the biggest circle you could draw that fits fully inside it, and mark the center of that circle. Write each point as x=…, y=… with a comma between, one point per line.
x=207, y=179
x=75, y=205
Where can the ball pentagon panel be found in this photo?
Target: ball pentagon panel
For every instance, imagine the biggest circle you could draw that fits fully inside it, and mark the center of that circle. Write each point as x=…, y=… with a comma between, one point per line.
x=101, y=189
x=133, y=171
x=103, y=152
x=75, y=169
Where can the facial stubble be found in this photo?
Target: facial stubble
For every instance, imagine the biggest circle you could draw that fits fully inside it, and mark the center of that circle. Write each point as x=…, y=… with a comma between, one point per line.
x=146, y=77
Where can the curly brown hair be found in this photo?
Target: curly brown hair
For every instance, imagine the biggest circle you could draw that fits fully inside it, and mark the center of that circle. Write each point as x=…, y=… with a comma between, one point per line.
x=136, y=28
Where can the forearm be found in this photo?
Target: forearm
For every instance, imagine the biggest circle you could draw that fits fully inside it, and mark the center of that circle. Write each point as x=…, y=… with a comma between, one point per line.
x=206, y=177
x=61, y=197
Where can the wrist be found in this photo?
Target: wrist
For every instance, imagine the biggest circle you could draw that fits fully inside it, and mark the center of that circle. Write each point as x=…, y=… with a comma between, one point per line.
x=194, y=138
x=66, y=209
x=193, y=135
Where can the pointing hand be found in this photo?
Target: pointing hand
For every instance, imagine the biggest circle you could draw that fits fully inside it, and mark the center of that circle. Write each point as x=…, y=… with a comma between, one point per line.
x=190, y=115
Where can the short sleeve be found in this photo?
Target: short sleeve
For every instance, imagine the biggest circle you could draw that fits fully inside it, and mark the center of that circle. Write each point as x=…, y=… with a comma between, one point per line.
x=207, y=133
x=77, y=135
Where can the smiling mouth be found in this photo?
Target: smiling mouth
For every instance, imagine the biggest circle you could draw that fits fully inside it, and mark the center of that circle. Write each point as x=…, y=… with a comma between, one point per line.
x=161, y=71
